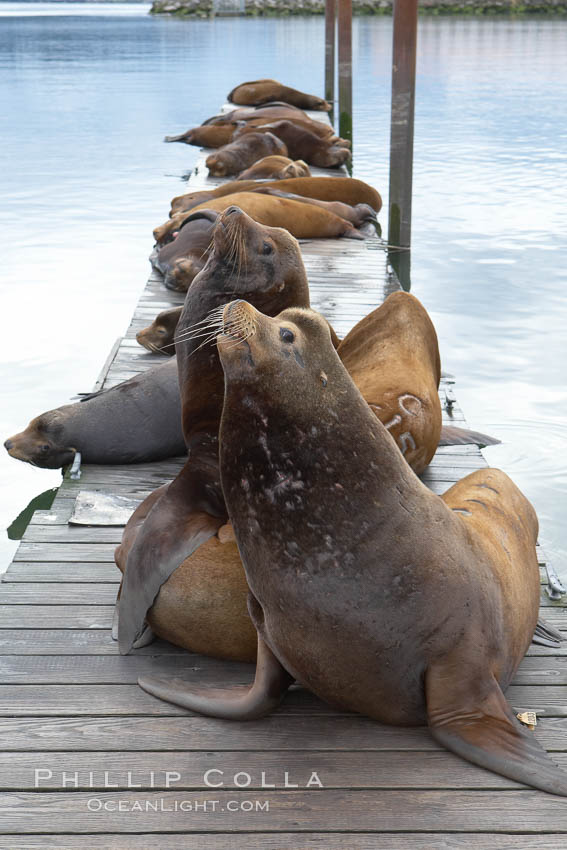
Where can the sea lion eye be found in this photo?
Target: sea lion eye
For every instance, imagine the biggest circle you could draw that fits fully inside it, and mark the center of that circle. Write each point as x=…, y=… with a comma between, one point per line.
x=267, y=248
x=44, y=449
x=287, y=335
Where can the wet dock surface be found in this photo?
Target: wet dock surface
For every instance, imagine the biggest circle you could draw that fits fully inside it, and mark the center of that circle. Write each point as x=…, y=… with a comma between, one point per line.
x=89, y=760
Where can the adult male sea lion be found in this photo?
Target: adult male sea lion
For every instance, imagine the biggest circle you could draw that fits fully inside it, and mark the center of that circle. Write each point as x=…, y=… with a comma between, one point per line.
x=256, y=92
x=179, y=261
x=365, y=587
x=173, y=523
x=349, y=190
x=238, y=155
x=135, y=421
x=302, y=143
x=276, y=167
x=159, y=336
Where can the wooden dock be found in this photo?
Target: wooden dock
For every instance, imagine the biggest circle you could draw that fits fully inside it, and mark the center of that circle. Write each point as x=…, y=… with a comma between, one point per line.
x=91, y=761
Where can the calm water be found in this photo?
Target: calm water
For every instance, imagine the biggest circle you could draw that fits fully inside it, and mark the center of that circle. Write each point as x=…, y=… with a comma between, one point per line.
x=87, y=93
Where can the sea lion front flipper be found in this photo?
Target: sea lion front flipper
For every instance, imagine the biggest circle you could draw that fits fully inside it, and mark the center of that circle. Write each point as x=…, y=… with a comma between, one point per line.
x=171, y=532
x=471, y=717
x=546, y=635
x=453, y=436
x=241, y=702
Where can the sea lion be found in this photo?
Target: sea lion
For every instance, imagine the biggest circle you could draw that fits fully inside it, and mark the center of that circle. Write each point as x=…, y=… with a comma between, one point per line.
x=276, y=167
x=302, y=220
x=238, y=155
x=275, y=111
x=302, y=143
x=173, y=524
x=206, y=135
x=349, y=190
x=159, y=336
x=262, y=91
x=133, y=422
x=365, y=587
x=357, y=215
x=179, y=261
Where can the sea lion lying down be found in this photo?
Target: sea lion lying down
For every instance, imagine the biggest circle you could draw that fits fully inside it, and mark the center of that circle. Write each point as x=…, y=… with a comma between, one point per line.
x=263, y=91
x=365, y=587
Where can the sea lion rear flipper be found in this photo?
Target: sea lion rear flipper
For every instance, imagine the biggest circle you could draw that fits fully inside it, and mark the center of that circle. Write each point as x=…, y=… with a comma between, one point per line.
x=453, y=436
x=546, y=635
x=473, y=719
x=170, y=534
x=241, y=702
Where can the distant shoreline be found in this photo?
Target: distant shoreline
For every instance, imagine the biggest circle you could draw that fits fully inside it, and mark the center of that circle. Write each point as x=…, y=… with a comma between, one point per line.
x=287, y=8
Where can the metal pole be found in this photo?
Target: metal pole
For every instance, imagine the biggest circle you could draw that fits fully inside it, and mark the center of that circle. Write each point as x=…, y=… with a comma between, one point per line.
x=401, y=128
x=345, y=68
x=330, y=32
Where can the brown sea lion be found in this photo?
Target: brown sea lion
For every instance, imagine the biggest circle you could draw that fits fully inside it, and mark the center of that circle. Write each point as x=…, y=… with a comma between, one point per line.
x=172, y=525
x=262, y=91
x=365, y=587
x=276, y=167
x=206, y=135
x=135, y=421
x=349, y=190
x=159, y=336
x=179, y=261
x=357, y=215
x=275, y=111
x=302, y=143
x=303, y=220
x=238, y=155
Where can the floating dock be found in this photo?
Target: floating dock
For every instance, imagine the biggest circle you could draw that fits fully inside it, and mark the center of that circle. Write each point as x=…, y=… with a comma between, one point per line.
x=91, y=761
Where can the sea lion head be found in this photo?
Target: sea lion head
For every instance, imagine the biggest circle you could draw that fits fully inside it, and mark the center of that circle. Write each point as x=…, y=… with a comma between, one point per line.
x=41, y=443
x=160, y=333
x=293, y=352
x=251, y=260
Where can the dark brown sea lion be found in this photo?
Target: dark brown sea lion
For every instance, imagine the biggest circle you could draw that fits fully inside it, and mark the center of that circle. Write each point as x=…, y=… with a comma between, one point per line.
x=240, y=154
x=159, y=336
x=262, y=91
x=302, y=220
x=275, y=111
x=302, y=143
x=349, y=190
x=276, y=167
x=172, y=525
x=179, y=261
x=365, y=587
x=136, y=421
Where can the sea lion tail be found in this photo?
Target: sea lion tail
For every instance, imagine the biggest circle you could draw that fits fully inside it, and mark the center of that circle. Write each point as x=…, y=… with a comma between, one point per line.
x=180, y=138
x=240, y=702
x=546, y=635
x=453, y=436
x=484, y=730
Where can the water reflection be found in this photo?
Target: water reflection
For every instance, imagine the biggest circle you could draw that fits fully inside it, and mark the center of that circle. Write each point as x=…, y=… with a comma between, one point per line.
x=85, y=102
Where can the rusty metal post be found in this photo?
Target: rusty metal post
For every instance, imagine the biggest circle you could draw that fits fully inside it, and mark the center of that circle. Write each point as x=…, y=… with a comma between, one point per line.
x=330, y=33
x=345, y=68
x=401, y=130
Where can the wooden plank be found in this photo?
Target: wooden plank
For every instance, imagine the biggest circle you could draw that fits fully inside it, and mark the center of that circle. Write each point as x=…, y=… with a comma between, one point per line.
x=105, y=770
x=126, y=669
x=294, y=811
x=22, y=572
x=46, y=593
x=286, y=841
x=72, y=642
x=56, y=616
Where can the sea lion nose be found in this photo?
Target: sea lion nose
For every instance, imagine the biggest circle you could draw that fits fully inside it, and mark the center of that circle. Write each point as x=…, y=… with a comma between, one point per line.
x=8, y=445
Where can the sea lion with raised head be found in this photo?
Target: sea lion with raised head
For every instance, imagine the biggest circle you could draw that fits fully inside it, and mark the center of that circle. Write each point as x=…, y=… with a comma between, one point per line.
x=349, y=190
x=276, y=167
x=302, y=143
x=179, y=261
x=365, y=587
x=138, y=420
x=159, y=336
x=256, y=92
x=240, y=154
x=172, y=525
